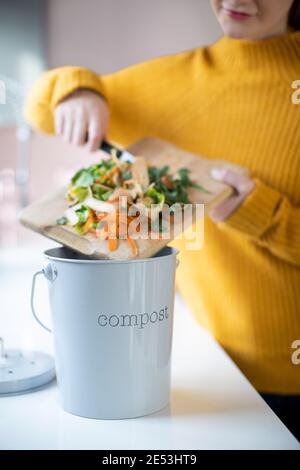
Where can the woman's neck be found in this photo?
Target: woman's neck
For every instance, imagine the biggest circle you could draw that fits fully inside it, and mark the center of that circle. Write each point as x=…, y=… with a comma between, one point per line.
x=270, y=54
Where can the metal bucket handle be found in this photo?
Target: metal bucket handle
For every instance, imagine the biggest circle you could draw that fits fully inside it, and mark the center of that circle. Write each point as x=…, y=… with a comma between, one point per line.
x=50, y=273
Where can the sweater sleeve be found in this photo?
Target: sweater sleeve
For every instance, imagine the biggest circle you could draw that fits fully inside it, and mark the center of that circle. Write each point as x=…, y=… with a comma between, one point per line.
x=269, y=218
x=51, y=88
x=133, y=94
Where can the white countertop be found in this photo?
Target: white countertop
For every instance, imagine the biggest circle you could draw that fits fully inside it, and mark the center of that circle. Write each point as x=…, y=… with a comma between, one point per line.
x=212, y=406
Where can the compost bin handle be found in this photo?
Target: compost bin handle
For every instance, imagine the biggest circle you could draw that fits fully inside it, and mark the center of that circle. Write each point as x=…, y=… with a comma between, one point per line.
x=50, y=273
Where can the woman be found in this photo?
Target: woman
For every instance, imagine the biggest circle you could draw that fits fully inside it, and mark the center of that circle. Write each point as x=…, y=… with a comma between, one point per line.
x=230, y=101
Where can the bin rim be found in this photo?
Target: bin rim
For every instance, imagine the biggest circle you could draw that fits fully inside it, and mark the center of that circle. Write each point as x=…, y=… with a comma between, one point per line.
x=53, y=255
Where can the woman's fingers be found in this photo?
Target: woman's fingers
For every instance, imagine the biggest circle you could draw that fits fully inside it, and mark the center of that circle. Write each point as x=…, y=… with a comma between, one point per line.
x=82, y=116
x=80, y=128
x=226, y=208
x=68, y=125
x=95, y=133
x=243, y=186
x=241, y=183
x=59, y=121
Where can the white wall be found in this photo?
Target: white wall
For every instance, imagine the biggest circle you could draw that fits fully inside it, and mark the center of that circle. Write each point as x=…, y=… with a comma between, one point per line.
x=106, y=35
x=22, y=26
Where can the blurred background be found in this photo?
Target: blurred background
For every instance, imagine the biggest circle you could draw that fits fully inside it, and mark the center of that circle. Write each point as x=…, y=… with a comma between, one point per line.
x=104, y=35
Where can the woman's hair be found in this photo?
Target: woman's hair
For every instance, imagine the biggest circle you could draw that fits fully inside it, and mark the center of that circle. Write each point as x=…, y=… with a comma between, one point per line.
x=294, y=16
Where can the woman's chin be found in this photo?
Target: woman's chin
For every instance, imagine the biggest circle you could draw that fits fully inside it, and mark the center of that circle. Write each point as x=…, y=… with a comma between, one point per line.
x=237, y=33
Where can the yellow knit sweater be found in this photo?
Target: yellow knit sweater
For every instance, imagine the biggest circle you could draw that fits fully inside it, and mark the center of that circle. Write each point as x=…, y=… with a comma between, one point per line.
x=229, y=101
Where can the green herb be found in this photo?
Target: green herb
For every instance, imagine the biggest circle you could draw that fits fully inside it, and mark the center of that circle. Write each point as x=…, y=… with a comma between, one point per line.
x=82, y=214
x=83, y=178
x=86, y=176
x=78, y=193
x=156, y=197
x=101, y=193
x=177, y=193
x=62, y=220
x=79, y=229
x=187, y=182
x=106, y=196
x=155, y=174
x=126, y=175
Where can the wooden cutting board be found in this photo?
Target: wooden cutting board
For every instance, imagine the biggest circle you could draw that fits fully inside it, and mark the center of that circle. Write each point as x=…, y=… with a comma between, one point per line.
x=41, y=216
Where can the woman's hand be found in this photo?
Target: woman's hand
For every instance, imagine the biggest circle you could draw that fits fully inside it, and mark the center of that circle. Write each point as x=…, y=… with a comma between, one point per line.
x=243, y=186
x=82, y=117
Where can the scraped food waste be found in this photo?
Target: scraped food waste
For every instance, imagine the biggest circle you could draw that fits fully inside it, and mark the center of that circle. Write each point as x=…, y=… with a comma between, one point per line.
x=101, y=198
